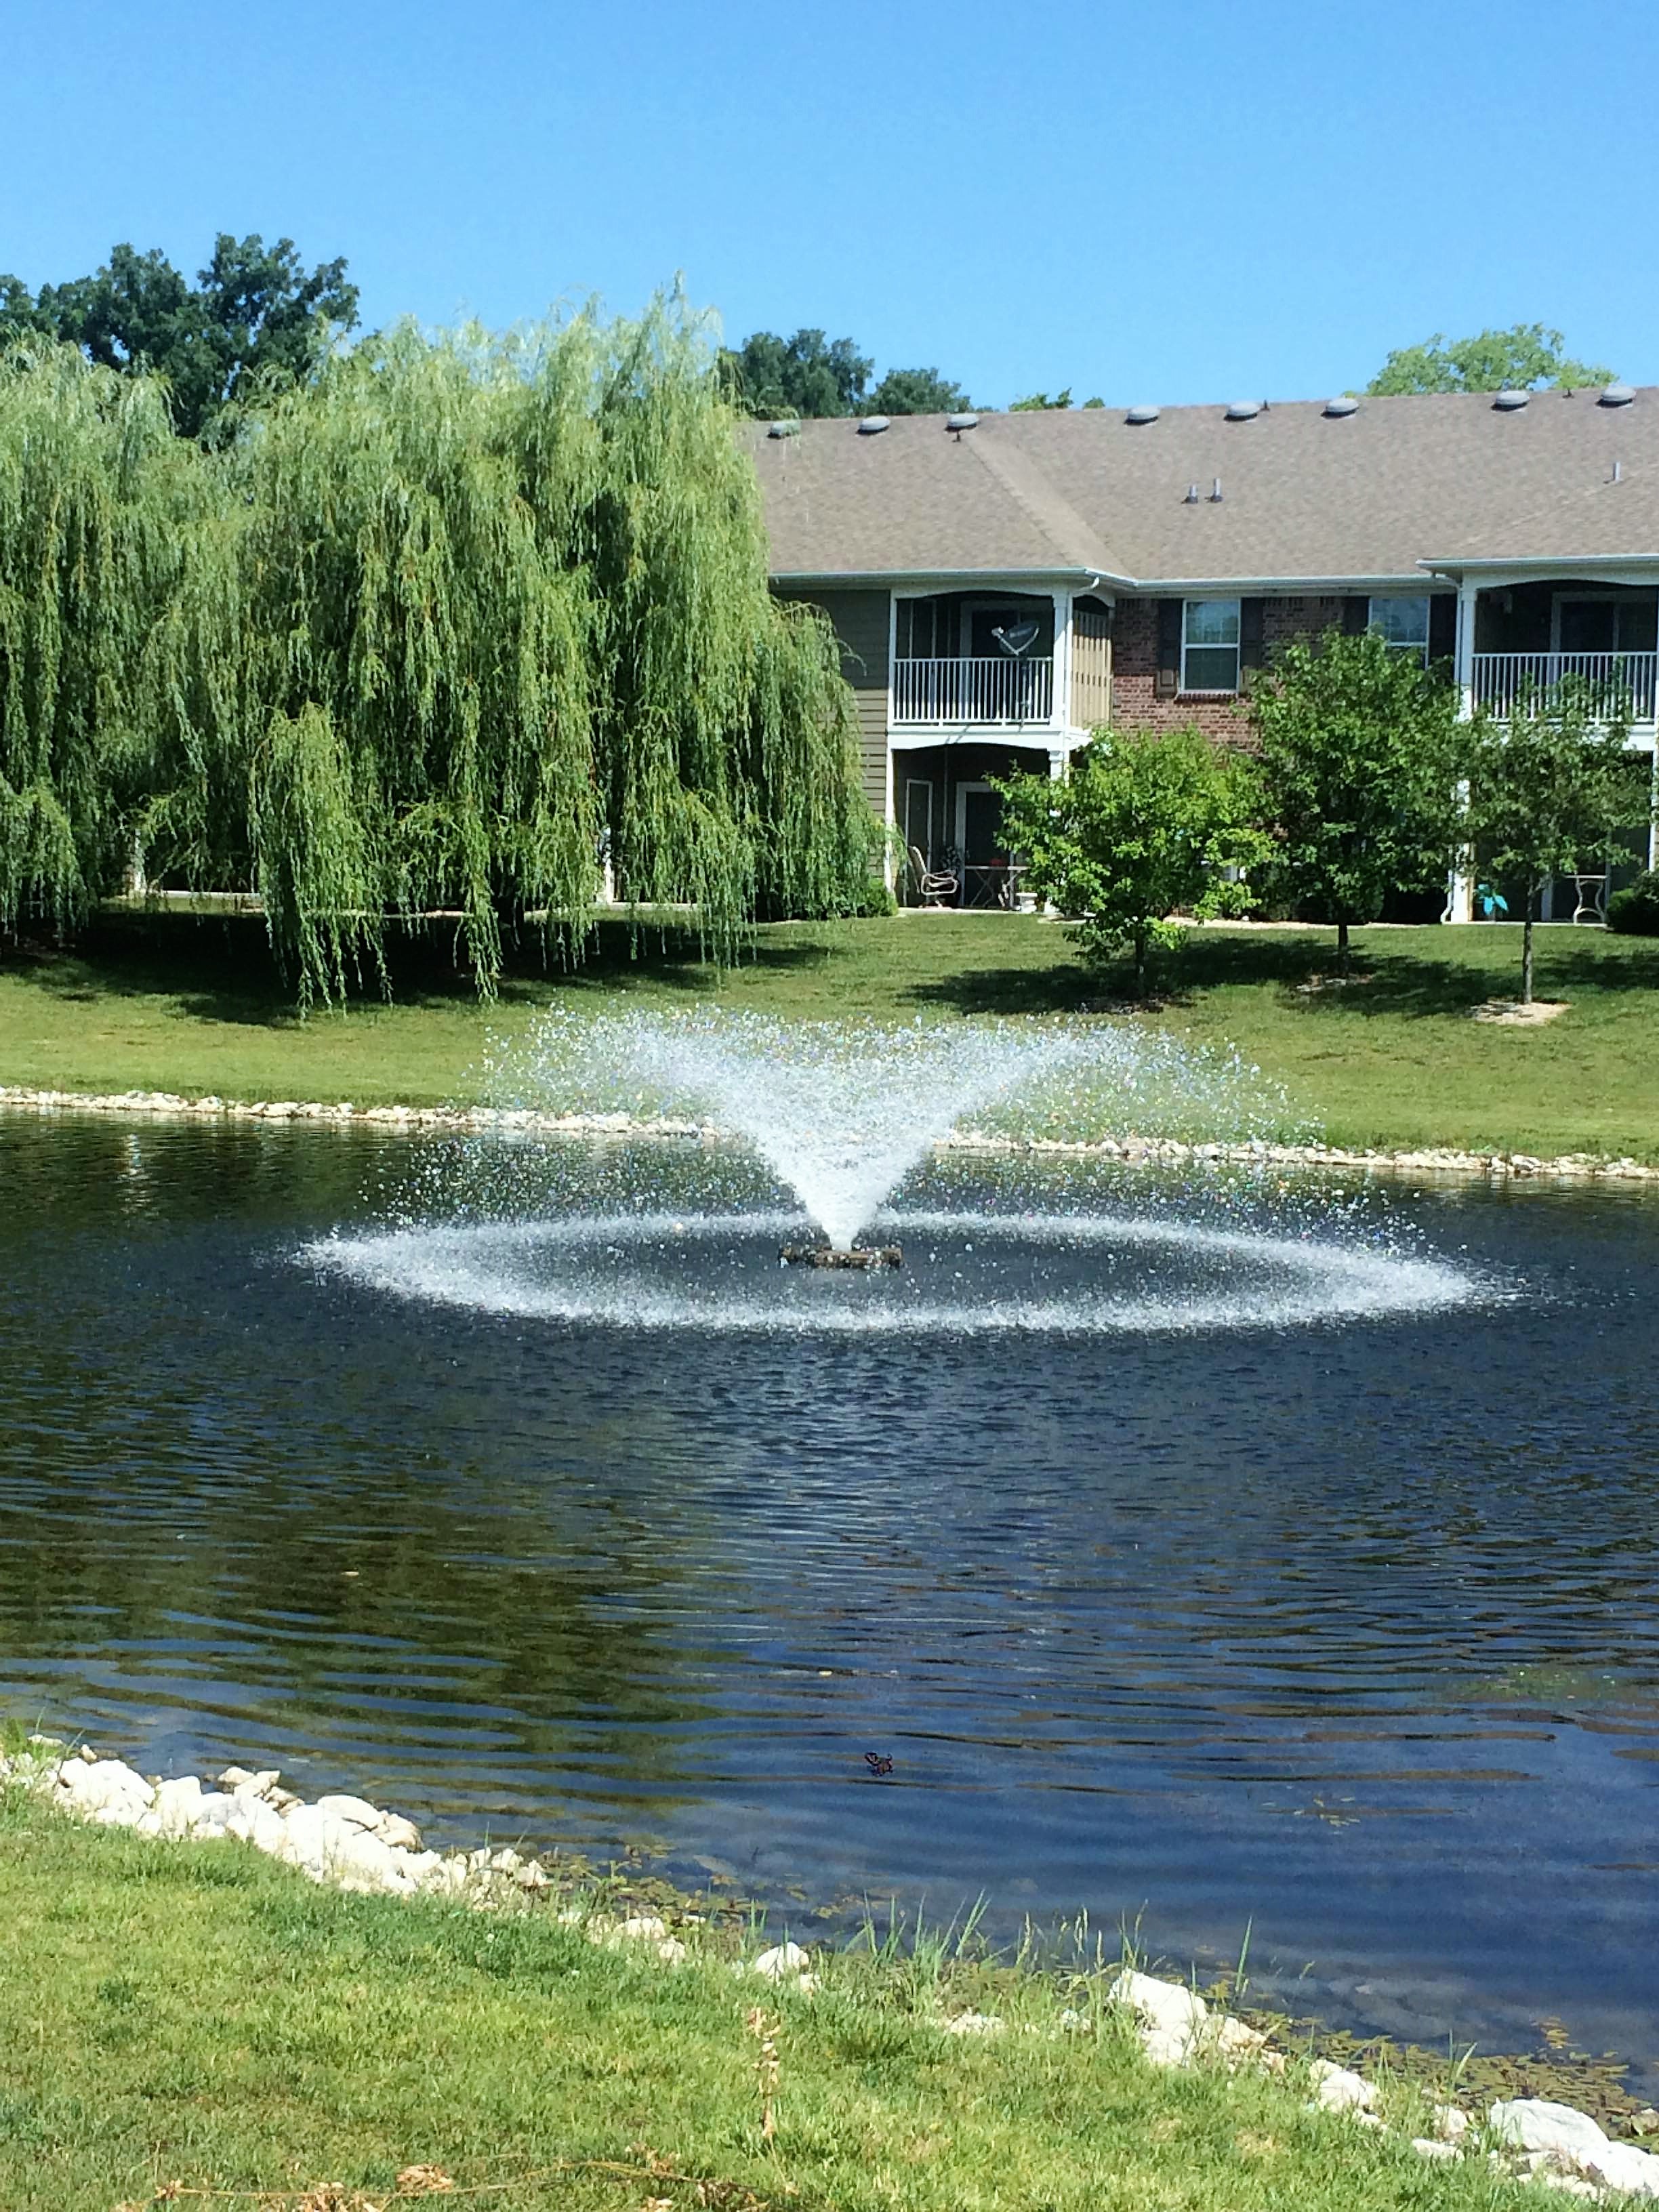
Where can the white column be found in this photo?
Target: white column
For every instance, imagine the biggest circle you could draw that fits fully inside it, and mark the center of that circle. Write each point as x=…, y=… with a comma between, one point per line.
x=1467, y=592
x=1460, y=882
x=1058, y=758
x=1060, y=712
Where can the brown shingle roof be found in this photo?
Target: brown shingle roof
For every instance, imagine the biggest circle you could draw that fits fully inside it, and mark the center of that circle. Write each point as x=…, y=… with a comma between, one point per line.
x=1305, y=495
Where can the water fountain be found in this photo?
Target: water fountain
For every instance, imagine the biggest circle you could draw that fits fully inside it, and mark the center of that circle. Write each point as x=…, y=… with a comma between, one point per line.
x=924, y=1162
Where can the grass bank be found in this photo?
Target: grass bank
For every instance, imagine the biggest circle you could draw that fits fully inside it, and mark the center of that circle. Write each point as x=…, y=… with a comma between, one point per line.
x=181, y=2021
x=1394, y=1060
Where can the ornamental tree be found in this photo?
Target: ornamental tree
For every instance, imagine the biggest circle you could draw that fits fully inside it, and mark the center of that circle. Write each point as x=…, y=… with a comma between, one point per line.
x=1145, y=825
x=1552, y=787
x=1362, y=758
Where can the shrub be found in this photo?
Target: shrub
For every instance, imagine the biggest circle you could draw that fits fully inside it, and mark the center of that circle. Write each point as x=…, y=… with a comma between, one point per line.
x=1635, y=910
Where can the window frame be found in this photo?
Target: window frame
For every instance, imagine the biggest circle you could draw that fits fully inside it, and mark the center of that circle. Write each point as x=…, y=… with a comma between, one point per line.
x=1236, y=648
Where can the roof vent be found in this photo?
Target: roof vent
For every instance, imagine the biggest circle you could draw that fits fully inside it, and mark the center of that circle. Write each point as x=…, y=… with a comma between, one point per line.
x=1215, y=491
x=1345, y=404
x=1617, y=395
x=872, y=426
x=1191, y=499
x=1243, y=410
x=1141, y=415
x=960, y=423
x=783, y=429
x=1508, y=401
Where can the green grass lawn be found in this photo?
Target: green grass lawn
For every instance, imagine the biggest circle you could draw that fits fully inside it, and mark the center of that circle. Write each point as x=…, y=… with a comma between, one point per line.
x=177, y=1004
x=180, y=2021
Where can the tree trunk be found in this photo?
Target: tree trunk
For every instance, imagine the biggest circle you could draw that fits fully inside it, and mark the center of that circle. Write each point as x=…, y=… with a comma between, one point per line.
x=1342, y=955
x=1141, y=964
x=1525, y=955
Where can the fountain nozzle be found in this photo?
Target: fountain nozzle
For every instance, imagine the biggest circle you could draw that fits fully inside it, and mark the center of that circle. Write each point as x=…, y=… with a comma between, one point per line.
x=857, y=1255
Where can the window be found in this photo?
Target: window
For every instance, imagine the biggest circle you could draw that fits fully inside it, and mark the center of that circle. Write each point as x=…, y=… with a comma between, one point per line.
x=1209, y=646
x=1404, y=624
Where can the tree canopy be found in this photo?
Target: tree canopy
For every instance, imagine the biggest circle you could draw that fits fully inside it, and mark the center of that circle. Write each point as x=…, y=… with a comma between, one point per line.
x=813, y=375
x=809, y=374
x=1039, y=403
x=432, y=633
x=254, y=317
x=1518, y=359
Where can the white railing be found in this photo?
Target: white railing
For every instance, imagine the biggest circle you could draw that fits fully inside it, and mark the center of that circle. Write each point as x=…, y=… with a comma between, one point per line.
x=1618, y=682
x=1001, y=690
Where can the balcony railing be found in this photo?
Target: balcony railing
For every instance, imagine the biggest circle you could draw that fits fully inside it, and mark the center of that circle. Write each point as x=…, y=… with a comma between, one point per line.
x=1002, y=690
x=1617, y=682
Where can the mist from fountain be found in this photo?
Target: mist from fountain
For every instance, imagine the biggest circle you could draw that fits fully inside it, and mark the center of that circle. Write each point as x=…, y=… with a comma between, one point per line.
x=842, y=1112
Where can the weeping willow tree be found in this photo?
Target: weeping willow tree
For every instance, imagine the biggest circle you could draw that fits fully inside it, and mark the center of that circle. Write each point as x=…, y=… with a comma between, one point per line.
x=99, y=505
x=436, y=632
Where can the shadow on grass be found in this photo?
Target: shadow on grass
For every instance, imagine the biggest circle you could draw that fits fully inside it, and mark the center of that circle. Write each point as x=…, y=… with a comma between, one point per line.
x=1400, y=984
x=221, y=968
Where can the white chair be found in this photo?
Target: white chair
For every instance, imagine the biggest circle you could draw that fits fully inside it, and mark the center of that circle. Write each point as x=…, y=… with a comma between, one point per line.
x=935, y=887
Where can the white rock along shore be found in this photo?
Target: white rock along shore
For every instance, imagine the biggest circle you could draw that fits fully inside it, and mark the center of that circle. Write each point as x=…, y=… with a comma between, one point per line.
x=347, y=1843
x=1438, y=1160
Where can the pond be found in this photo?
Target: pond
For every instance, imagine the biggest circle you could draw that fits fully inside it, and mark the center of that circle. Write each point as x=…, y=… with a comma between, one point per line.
x=1182, y=1579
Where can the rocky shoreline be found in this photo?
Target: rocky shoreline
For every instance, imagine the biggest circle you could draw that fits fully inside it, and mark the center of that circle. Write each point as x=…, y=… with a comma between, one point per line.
x=1434, y=1160
x=345, y=1843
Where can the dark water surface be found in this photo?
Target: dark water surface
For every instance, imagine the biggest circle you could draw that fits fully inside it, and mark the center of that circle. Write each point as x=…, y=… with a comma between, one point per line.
x=1349, y=1630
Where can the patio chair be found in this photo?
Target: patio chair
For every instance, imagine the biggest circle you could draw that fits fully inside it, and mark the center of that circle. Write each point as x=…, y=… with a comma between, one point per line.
x=935, y=887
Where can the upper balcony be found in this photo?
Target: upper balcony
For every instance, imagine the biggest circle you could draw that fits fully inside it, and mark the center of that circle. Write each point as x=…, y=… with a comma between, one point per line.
x=980, y=694
x=1614, y=682
x=1600, y=637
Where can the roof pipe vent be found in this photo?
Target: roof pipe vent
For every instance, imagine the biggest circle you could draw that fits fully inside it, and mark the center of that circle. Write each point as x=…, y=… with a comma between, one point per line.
x=872, y=426
x=1243, y=410
x=1215, y=493
x=1345, y=403
x=1141, y=415
x=783, y=429
x=1509, y=402
x=1617, y=395
x=1191, y=499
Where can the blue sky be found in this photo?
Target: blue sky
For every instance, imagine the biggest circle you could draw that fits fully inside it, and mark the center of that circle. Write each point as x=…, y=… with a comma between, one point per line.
x=1179, y=200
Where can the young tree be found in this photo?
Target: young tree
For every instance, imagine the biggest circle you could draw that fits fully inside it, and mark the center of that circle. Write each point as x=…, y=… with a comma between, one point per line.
x=1550, y=788
x=1515, y=360
x=1144, y=825
x=1362, y=755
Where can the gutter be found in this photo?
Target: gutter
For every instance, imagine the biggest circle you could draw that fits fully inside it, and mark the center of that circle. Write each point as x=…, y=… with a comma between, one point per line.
x=1550, y=564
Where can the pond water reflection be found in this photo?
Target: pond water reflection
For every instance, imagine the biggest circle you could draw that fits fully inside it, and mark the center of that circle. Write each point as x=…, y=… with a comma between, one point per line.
x=1348, y=1628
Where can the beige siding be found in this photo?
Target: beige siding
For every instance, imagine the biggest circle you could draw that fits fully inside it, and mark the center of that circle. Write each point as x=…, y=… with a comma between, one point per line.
x=861, y=620
x=1091, y=668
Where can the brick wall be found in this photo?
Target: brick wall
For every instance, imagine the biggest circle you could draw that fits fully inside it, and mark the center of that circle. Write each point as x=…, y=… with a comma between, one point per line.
x=1135, y=705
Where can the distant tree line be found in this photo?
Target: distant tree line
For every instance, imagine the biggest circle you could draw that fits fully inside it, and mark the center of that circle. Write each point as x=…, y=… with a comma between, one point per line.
x=254, y=321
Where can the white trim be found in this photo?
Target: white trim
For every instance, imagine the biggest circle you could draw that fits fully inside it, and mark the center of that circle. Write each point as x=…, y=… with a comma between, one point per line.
x=918, y=783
